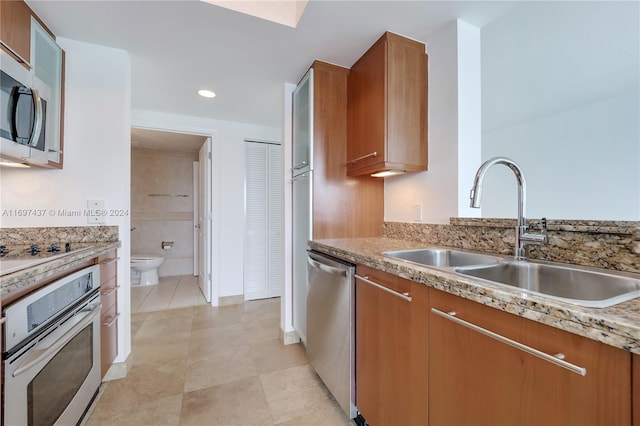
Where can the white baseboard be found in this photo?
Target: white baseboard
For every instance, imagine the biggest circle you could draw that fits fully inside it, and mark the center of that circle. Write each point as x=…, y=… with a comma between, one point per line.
x=289, y=337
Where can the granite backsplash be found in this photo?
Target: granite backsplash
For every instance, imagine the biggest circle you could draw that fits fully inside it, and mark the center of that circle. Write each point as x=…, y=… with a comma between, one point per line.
x=601, y=244
x=59, y=234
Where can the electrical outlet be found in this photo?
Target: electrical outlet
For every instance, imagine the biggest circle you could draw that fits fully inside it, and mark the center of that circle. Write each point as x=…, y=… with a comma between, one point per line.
x=417, y=212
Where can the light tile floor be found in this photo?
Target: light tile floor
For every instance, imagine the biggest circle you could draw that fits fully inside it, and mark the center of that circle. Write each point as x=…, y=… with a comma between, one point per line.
x=171, y=292
x=215, y=366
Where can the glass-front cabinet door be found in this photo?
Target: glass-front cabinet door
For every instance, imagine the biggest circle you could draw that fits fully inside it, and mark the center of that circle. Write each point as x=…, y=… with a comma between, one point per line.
x=46, y=60
x=303, y=125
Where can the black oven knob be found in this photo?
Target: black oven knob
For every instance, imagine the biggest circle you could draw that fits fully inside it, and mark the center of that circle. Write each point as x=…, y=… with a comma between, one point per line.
x=34, y=249
x=54, y=248
x=3, y=251
x=67, y=247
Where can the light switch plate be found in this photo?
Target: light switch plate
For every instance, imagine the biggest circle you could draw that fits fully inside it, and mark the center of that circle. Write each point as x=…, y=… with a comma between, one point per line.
x=96, y=213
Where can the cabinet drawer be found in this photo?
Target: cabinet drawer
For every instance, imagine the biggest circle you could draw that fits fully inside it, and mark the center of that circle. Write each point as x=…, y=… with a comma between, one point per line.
x=108, y=295
x=108, y=339
x=108, y=265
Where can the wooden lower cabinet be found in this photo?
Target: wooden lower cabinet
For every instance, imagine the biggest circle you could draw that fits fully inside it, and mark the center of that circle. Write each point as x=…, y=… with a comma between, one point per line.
x=635, y=389
x=391, y=349
x=477, y=380
x=109, y=313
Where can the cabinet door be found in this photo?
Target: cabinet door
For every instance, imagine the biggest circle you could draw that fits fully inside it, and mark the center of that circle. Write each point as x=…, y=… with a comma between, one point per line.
x=263, y=241
x=478, y=380
x=635, y=389
x=366, y=144
x=388, y=108
x=391, y=349
x=406, y=104
x=47, y=65
x=15, y=29
x=303, y=124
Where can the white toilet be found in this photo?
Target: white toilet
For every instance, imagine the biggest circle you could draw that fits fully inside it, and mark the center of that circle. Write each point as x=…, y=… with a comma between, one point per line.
x=147, y=266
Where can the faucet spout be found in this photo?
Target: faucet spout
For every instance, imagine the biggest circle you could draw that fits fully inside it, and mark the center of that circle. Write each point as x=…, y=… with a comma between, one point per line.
x=522, y=236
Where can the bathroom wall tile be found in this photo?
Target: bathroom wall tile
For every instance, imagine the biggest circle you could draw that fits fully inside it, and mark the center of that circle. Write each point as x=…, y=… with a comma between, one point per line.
x=176, y=266
x=163, y=218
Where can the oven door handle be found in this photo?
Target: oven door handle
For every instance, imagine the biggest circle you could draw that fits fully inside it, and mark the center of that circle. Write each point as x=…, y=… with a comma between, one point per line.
x=38, y=355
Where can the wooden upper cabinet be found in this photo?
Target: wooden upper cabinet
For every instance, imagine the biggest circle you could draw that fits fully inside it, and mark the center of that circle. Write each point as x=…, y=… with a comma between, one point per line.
x=343, y=206
x=15, y=30
x=387, y=108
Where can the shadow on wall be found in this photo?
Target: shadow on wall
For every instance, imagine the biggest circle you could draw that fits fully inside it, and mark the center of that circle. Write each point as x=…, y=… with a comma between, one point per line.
x=162, y=200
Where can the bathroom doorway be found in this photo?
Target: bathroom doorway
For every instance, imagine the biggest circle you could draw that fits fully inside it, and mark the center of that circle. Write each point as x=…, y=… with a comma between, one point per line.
x=165, y=213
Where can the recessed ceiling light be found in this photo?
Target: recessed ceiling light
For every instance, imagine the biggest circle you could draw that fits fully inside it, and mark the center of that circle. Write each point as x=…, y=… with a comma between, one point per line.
x=206, y=93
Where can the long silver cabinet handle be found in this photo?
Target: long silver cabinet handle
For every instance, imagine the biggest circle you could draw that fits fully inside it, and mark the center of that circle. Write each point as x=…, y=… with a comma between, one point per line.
x=404, y=296
x=554, y=359
x=109, y=261
x=304, y=175
x=355, y=160
x=300, y=166
x=326, y=268
x=113, y=320
x=109, y=293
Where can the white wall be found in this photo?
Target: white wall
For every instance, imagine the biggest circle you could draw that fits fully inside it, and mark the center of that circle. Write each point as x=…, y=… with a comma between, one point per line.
x=575, y=168
x=561, y=97
x=454, y=132
x=227, y=187
x=96, y=158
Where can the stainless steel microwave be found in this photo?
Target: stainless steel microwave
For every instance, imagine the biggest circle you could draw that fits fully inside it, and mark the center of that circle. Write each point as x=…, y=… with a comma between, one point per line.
x=23, y=122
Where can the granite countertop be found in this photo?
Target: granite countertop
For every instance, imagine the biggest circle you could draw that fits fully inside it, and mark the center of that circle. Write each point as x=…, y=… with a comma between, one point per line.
x=618, y=326
x=15, y=281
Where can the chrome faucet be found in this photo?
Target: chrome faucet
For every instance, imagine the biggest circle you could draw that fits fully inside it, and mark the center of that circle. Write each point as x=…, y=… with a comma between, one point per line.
x=522, y=236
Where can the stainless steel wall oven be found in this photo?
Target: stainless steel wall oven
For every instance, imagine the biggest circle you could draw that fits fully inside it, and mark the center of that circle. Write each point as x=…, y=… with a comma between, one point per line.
x=51, y=352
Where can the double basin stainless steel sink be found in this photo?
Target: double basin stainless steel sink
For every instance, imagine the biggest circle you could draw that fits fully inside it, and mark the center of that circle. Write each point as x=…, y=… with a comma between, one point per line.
x=589, y=287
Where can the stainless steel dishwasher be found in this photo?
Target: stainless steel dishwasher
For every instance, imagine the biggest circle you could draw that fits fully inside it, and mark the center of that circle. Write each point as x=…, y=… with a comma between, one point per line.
x=330, y=326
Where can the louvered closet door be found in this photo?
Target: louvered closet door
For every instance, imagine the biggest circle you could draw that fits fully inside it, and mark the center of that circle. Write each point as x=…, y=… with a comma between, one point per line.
x=263, y=213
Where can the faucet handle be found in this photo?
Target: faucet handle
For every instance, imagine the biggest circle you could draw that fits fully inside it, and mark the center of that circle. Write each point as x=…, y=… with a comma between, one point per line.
x=543, y=224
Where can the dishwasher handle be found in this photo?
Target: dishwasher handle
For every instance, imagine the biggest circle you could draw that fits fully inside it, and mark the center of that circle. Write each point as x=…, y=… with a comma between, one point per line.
x=314, y=261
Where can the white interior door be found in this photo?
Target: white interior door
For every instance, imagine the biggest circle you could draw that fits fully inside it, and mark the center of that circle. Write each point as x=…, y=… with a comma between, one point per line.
x=196, y=218
x=204, y=219
x=263, y=221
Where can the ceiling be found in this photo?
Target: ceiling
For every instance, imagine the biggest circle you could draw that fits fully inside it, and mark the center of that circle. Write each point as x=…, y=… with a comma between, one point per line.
x=178, y=47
